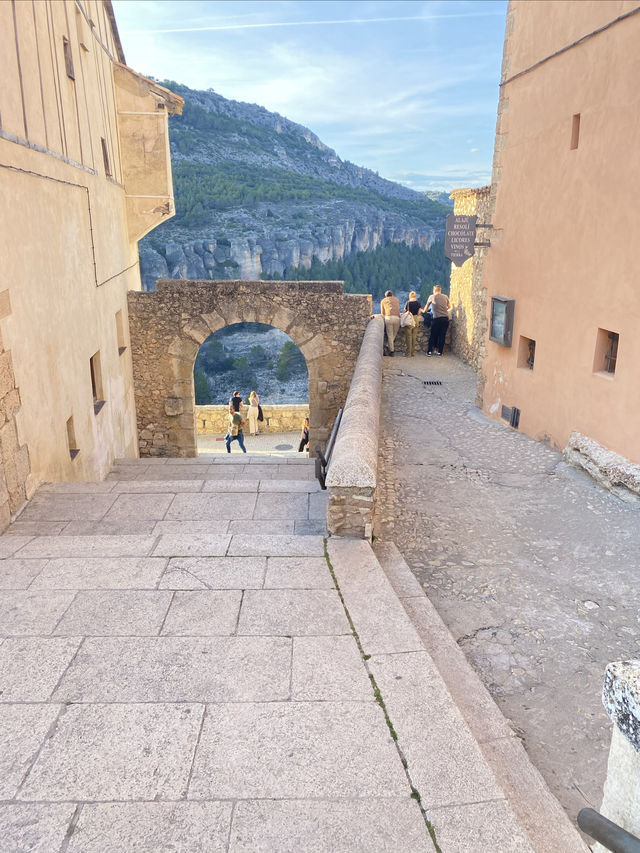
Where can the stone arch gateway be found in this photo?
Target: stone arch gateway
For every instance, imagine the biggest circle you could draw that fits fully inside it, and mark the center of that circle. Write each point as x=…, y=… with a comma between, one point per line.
x=168, y=325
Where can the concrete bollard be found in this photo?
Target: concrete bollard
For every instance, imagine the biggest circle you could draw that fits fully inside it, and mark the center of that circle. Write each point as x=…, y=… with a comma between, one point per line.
x=621, y=699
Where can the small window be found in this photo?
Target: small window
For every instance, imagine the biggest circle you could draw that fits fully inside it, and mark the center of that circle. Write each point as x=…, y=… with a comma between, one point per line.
x=526, y=353
x=71, y=439
x=120, y=333
x=105, y=157
x=68, y=58
x=96, y=382
x=575, y=131
x=606, y=354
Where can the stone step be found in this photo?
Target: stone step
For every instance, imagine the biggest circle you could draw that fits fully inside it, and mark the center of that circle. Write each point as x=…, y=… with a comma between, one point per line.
x=540, y=814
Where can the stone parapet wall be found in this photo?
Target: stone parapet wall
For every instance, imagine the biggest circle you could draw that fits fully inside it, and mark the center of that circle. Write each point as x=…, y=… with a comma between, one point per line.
x=467, y=295
x=352, y=474
x=213, y=420
x=169, y=325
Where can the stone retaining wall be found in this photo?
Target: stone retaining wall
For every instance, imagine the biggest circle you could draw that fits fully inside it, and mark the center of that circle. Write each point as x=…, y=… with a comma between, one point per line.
x=213, y=420
x=468, y=297
x=352, y=474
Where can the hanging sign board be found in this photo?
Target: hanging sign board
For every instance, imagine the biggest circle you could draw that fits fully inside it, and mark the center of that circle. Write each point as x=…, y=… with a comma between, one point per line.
x=460, y=235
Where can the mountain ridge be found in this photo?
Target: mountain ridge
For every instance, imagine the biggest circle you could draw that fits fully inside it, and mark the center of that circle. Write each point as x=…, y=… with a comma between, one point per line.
x=257, y=193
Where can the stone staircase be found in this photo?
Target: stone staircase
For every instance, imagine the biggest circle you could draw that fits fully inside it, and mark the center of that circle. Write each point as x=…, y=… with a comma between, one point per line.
x=185, y=664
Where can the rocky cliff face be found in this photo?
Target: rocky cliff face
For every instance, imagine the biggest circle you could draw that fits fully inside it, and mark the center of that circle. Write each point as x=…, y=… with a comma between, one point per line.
x=342, y=208
x=253, y=249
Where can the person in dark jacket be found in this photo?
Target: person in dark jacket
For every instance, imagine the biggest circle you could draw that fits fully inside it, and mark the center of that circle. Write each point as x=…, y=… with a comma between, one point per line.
x=304, y=436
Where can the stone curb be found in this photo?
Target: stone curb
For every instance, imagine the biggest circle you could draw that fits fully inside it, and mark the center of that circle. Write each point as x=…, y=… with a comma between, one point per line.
x=547, y=825
x=457, y=788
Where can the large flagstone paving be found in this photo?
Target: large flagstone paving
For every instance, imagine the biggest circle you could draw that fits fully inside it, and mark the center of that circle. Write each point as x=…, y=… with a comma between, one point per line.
x=177, y=671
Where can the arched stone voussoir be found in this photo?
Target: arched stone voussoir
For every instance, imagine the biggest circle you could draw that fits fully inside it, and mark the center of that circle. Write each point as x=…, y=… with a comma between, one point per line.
x=214, y=321
x=317, y=347
x=196, y=329
x=185, y=349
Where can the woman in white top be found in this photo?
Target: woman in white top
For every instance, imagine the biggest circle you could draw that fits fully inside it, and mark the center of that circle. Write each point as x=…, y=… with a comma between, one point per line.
x=253, y=413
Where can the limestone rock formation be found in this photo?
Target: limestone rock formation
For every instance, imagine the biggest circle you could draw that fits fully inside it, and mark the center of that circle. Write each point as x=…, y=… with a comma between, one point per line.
x=257, y=193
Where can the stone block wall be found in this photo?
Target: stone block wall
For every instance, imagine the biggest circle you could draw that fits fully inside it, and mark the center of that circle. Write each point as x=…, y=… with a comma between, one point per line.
x=353, y=467
x=468, y=297
x=168, y=326
x=14, y=455
x=213, y=420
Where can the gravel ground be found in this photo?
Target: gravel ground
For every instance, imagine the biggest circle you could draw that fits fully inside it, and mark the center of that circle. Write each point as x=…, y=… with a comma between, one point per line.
x=533, y=567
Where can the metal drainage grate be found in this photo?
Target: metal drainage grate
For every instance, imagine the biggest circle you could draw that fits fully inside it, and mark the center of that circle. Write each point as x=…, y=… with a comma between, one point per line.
x=283, y=447
x=432, y=382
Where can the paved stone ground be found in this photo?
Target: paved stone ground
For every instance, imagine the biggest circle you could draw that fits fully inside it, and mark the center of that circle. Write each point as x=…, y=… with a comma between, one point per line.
x=178, y=671
x=532, y=566
x=283, y=444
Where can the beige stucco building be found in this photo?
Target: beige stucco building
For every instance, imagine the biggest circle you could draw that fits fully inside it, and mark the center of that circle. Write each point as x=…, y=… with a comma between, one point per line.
x=84, y=174
x=566, y=240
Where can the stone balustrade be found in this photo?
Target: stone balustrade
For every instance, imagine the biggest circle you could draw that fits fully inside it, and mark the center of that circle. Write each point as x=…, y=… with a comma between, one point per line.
x=621, y=699
x=352, y=474
x=213, y=420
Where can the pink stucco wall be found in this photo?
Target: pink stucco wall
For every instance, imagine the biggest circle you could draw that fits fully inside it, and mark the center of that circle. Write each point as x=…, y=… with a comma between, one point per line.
x=566, y=239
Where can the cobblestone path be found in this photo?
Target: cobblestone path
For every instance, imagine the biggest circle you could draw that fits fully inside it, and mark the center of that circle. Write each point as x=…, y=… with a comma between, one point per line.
x=532, y=566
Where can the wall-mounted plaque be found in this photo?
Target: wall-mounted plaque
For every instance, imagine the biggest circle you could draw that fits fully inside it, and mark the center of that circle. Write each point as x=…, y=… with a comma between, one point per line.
x=501, y=328
x=460, y=235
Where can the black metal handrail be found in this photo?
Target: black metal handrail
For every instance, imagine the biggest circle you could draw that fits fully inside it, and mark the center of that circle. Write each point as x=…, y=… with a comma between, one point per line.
x=322, y=459
x=609, y=834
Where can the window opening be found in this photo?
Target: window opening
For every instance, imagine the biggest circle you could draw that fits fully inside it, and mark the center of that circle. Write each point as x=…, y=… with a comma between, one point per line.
x=120, y=333
x=71, y=439
x=575, y=131
x=606, y=354
x=96, y=382
x=526, y=353
x=105, y=157
x=68, y=58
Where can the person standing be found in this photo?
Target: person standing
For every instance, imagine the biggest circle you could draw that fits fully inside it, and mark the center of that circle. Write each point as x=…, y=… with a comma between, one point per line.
x=252, y=414
x=235, y=402
x=440, y=305
x=234, y=432
x=304, y=436
x=390, y=310
x=414, y=307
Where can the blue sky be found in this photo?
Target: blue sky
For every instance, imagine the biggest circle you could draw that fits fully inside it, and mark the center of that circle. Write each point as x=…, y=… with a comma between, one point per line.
x=408, y=88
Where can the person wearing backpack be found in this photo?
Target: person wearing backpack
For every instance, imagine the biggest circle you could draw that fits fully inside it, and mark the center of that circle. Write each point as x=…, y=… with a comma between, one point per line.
x=234, y=432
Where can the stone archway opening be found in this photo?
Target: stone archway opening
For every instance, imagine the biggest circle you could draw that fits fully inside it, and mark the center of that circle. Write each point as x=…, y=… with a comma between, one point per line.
x=251, y=357
x=169, y=325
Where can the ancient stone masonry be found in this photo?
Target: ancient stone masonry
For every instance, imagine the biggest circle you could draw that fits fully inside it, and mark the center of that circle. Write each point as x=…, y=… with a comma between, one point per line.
x=353, y=468
x=14, y=456
x=167, y=328
x=467, y=295
x=214, y=420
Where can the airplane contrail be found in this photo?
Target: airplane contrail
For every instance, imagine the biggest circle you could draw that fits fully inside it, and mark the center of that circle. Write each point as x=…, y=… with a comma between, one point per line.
x=308, y=23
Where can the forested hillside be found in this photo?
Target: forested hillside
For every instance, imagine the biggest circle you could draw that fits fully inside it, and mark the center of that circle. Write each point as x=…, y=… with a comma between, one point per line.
x=396, y=267
x=258, y=194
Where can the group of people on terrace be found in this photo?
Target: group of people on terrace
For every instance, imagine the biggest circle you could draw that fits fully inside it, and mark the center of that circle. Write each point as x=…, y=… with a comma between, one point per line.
x=435, y=315
x=235, y=431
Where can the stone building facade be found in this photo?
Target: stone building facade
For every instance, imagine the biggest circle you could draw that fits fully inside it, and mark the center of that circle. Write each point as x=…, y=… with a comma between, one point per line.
x=84, y=174
x=169, y=325
x=564, y=243
x=467, y=295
